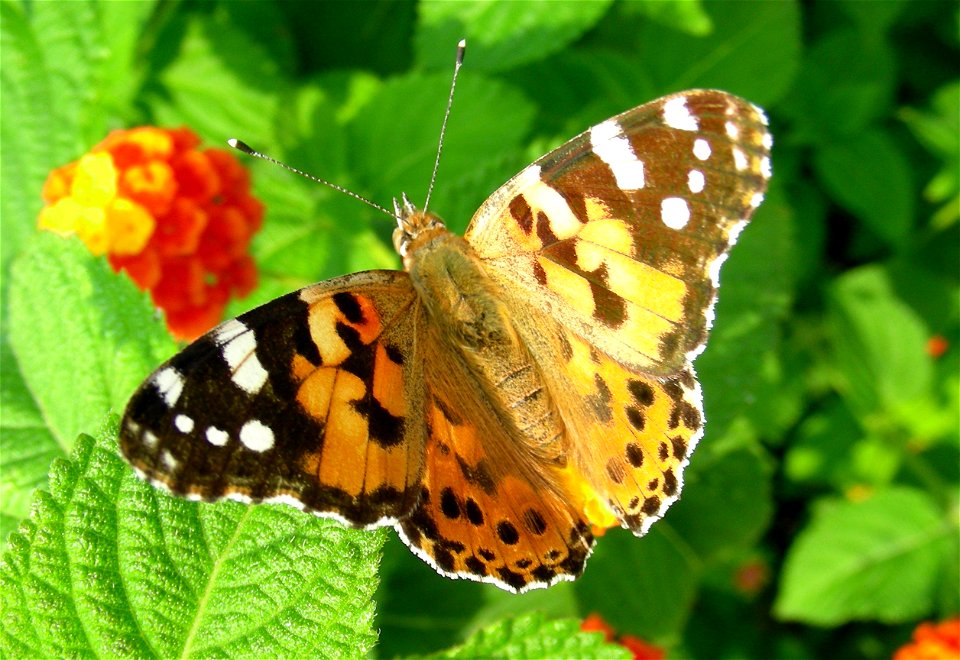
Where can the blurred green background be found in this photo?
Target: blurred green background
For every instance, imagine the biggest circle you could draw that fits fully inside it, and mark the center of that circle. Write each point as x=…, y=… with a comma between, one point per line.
x=820, y=513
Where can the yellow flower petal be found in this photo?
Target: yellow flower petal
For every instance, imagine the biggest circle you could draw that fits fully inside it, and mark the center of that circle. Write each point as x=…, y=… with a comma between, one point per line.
x=95, y=181
x=129, y=226
x=60, y=217
x=91, y=228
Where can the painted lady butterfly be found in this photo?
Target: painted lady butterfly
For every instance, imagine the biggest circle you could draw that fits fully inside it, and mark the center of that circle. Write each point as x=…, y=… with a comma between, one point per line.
x=511, y=391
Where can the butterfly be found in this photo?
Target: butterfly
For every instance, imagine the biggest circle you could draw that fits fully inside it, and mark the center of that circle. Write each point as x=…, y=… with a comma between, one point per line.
x=513, y=391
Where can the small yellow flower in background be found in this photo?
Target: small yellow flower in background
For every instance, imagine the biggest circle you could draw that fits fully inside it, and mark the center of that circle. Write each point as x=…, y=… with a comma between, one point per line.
x=176, y=219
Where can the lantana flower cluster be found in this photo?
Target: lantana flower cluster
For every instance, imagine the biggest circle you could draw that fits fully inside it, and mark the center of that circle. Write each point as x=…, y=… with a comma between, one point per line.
x=178, y=220
x=933, y=641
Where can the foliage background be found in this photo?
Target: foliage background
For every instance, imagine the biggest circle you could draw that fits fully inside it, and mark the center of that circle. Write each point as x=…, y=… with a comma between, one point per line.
x=820, y=514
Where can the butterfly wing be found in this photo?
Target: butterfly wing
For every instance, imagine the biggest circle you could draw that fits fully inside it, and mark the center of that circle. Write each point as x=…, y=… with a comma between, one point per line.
x=488, y=510
x=620, y=232
x=314, y=399
x=611, y=245
x=633, y=432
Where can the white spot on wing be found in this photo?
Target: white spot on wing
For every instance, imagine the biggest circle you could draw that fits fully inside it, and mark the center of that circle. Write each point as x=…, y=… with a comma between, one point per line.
x=733, y=131
x=695, y=181
x=183, y=423
x=767, y=141
x=761, y=115
x=756, y=200
x=674, y=212
x=257, y=436
x=701, y=149
x=169, y=382
x=228, y=330
x=239, y=347
x=765, y=169
x=217, y=437
x=149, y=439
x=739, y=159
x=676, y=114
x=614, y=149
x=169, y=462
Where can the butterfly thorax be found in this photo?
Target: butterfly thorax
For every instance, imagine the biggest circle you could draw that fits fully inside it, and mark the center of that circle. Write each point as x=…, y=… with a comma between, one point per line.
x=471, y=319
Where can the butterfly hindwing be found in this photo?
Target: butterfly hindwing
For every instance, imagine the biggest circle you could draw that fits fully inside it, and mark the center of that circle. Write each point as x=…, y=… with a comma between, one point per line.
x=488, y=512
x=635, y=432
x=314, y=399
x=621, y=231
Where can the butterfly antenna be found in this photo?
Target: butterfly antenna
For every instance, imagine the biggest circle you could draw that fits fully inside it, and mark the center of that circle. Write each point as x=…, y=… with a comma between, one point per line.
x=461, y=49
x=245, y=148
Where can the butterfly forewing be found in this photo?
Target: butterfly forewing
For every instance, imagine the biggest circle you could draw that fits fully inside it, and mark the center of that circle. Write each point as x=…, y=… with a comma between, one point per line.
x=313, y=399
x=621, y=231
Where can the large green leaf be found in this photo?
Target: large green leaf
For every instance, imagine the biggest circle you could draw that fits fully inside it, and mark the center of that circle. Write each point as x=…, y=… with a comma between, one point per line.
x=882, y=558
x=753, y=50
x=107, y=565
x=85, y=352
x=501, y=35
x=879, y=357
x=868, y=175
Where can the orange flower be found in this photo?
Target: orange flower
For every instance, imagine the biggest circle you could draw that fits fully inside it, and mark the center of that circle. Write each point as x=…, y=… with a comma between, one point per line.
x=640, y=649
x=933, y=641
x=176, y=219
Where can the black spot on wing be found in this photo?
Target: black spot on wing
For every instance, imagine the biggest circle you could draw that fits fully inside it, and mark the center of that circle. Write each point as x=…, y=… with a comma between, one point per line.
x=349, y=306
x=448, y=504
x=641, y=392
x=386, y=429
x=507, y=533
x=474, y=514
x=634, y=455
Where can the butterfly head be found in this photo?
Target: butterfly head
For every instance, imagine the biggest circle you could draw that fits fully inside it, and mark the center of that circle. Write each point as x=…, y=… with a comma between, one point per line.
x=414, y=227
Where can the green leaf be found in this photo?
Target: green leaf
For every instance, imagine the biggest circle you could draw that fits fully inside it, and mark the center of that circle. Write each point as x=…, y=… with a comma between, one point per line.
x=829, y=102
x=738, y=369
x=83, y=351
x=500, y=35
x=820, y=454
x=726, y=503
x=626, y=574
x=36, y=137
x=753, y=50
x=532, y=636
x=222, y=85
x=873, y=17
x=390, y=161
x=880, y=559
x=26, y=445
x=937, y=131
x=869, y=176
x=108, y=565
x=879, y=357
x=684, y=15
